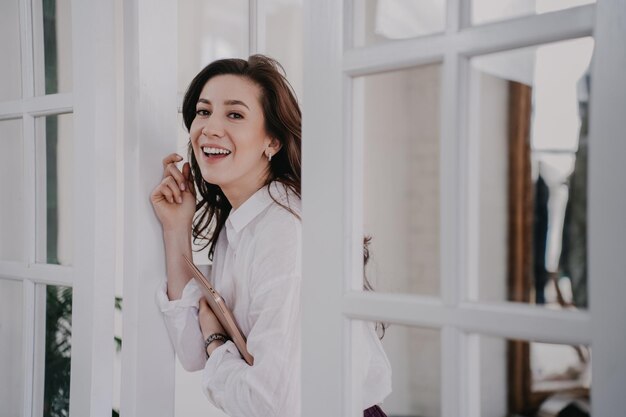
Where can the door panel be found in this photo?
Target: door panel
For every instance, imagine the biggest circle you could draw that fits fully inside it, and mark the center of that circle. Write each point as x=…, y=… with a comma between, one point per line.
x=500, y=123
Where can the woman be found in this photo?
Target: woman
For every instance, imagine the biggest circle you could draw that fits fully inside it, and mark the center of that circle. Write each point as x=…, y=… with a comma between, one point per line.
x=245, y=134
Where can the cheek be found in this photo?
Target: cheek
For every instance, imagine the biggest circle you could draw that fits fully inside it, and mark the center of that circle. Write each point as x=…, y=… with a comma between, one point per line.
x=195, y=129
x=194, y=136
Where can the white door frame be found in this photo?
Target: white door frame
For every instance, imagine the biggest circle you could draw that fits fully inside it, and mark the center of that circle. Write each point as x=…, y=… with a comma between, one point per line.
x=95, y=130
x=150, y=103
x=606, y=208
x=332, y=206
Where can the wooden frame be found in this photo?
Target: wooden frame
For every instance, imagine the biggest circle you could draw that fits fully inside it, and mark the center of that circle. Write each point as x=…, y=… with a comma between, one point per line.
x=520, y=217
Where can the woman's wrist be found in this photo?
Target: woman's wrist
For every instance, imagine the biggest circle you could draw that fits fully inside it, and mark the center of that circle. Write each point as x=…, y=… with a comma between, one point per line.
x=177, y=232
x=214, y=341
x=177, y=243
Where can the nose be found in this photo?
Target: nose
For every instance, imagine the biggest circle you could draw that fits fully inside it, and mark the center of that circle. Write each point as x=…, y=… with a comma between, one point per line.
x=212, y=128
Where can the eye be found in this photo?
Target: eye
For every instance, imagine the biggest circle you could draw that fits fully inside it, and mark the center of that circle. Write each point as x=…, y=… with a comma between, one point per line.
x=203, y=112
x=234, y=115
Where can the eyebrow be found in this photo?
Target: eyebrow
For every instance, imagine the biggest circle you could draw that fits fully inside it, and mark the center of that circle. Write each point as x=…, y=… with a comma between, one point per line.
x=226, y=102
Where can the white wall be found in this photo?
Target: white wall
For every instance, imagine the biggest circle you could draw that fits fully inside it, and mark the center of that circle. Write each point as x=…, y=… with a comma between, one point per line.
x=209, y=30
x=284, y=39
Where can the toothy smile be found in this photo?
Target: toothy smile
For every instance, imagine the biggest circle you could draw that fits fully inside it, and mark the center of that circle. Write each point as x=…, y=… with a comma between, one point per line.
x=214, y=151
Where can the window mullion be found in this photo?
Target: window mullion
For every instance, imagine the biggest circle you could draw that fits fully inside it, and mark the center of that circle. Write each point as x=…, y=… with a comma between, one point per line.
x=26, y=47
x=30, y=199
x=450, y=179
x=40, y=183
x=452, y=386
x=49, y=104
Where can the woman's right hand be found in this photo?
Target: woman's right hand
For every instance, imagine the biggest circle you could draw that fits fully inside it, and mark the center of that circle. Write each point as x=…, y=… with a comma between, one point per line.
x=174, y=199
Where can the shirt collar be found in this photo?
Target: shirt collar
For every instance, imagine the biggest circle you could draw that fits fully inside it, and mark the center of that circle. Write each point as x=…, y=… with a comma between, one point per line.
x=252, y=207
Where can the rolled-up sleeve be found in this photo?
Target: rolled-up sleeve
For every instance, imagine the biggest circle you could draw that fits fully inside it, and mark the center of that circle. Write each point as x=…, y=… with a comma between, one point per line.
x=271, y=387
x=181, y=321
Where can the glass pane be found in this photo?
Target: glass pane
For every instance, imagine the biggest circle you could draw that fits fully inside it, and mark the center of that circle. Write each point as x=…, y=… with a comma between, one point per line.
x=283, y=38
x=11, y=349
x=414, y=355
x=484, y=11
x=55, y=157
x=400, y=116
x=58, y=351
x=377, y=21
x=528, y=379
x=12, y=190
x=530, y=109
x=57, y=46
x=209, y=30
x=11, y=68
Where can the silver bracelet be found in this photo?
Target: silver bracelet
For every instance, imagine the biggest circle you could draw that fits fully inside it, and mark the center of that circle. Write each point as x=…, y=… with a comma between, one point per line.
x=215, y=336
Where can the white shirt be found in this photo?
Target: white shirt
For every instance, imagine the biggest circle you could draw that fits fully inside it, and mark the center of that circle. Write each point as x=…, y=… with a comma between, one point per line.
x=257, y=270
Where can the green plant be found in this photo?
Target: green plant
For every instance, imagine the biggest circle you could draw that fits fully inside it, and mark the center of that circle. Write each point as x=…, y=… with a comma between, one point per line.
x=58, y=351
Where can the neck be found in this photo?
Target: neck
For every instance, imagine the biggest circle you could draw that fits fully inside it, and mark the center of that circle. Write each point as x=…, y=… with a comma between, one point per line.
x=237, y=193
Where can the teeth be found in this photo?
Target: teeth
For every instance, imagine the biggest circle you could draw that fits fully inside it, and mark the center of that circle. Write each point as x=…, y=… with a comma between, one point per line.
x=214, y=151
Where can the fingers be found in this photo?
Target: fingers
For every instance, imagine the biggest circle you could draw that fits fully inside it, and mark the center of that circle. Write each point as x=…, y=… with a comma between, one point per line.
x=171, y=158
x=173, y=172
x=170, y=169
x=188, y=178
x=168, y=190
x=173, y=188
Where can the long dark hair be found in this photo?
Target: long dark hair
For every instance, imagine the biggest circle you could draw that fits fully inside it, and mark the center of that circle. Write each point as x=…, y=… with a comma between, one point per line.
x=381, y=327
x=283, y=122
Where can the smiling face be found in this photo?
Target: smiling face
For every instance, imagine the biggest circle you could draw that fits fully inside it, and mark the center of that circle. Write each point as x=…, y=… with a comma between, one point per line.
x=228, y=137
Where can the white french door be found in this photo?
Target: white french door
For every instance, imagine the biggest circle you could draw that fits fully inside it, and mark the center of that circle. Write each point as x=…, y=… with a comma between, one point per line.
x=438, y=93
x=57, y=141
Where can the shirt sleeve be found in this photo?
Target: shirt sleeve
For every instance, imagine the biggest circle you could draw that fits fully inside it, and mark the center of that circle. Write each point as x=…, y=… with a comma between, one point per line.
x=271, y=386
x=181, y=321
x=377, y=379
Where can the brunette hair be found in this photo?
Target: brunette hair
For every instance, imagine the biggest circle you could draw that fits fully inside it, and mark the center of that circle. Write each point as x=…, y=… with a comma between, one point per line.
x=381, y=327
x=283, y=122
